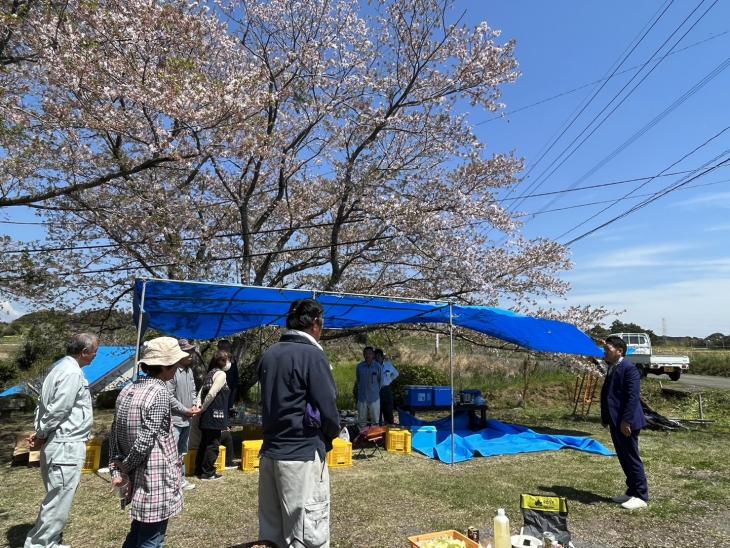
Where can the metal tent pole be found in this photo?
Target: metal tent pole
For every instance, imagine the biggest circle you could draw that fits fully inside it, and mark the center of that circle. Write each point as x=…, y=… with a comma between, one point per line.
x=139, y=331
x=451, y=372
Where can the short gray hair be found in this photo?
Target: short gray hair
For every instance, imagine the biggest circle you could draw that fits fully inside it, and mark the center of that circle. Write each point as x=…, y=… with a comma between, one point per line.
x=81, y=342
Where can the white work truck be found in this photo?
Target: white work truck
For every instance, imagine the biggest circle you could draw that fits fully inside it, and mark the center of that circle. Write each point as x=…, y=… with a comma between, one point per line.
x=638, y=350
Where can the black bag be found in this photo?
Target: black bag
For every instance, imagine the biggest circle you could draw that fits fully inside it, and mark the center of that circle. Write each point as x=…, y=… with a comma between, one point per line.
x=544, y=513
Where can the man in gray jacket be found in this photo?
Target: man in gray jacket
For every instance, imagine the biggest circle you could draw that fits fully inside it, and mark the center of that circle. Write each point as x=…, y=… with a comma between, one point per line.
x=62, y=426
x=184, y=405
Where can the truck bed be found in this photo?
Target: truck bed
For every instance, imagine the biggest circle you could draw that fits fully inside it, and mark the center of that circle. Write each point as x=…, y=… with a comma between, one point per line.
x=682, y=362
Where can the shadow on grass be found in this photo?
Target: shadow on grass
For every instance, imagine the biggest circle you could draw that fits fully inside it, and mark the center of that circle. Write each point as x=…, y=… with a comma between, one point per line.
x=579, y=495
x=17, y=533
x=560, y=431
x=255, y=544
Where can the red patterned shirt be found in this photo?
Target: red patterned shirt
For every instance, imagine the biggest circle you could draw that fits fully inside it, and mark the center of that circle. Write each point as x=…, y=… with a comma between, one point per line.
x=142, y=441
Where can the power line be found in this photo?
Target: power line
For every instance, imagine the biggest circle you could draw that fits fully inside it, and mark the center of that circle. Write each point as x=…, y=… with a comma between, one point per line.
x=687, y=155
x=536, y=195
x=326, y=246
x=600, y=185
x=322, y=225
x=185, y=239
x=613, y=200
x=216, y=259
x=648, y=201
x=589, y=84
x=574, y=117
x=40, y=223
x=658, y=118
x=540, y=180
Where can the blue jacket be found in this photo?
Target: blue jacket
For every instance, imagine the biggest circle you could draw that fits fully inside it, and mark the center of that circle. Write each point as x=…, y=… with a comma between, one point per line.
x=620, y=397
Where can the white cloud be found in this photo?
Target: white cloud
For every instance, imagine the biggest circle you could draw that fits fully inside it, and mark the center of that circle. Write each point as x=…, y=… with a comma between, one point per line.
x=8, y=312
x=638, y=256
x=718, y=228
x=720, y=199
x=696, y=307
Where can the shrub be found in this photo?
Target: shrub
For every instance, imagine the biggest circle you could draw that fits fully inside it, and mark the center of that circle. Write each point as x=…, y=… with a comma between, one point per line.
x=716, y=363
x=8, y=373
x=416, y=374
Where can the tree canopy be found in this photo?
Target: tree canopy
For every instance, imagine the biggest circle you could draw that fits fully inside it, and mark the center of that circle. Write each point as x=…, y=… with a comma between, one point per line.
x=308, y=143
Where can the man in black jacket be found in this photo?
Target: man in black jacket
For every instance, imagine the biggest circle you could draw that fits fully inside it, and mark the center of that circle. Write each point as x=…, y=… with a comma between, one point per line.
x=300, y=421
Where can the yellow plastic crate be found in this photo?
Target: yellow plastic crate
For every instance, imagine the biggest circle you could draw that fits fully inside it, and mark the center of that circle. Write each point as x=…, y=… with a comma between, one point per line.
x=250, y=455
x=93, y=457
x=220, y=463
x=341, y=454
x=398, y=440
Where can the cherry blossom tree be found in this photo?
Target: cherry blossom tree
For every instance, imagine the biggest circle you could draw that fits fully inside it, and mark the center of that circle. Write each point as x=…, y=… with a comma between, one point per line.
x=298, y=143
x=95, y=94
x=99, y=92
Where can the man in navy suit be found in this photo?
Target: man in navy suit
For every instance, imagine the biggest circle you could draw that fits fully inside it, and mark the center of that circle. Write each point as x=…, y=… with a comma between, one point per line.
x=622, y=413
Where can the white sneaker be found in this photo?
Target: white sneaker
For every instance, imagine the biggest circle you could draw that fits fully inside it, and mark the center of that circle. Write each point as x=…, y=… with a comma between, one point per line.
x=634, y=503
x=620, y=499
x=187, y=486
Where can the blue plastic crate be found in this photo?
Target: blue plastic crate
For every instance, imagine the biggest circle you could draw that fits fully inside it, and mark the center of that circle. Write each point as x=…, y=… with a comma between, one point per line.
x=469, y=396
x=419, y=396
x=423, y=436
x=442, y=395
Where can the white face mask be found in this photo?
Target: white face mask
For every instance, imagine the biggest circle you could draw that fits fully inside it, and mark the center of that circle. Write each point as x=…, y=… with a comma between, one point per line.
x=227, y=367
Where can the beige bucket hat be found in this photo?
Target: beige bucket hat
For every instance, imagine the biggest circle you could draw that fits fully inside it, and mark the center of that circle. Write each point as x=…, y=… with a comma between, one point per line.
x=163, y=351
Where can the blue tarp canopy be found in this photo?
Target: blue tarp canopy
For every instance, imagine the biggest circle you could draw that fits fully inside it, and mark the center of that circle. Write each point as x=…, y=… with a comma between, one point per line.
x=112, y=363
x=13, y=391
x=199, y=310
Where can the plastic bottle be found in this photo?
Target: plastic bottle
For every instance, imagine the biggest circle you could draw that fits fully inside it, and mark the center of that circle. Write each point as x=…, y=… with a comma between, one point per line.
x=502, y=537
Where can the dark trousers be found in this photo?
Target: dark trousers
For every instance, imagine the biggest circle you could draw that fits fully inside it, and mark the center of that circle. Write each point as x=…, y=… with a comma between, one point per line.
x=386, y=405
x=207, y=452
x=227, y=442
x=627, y=450
x=146, y=535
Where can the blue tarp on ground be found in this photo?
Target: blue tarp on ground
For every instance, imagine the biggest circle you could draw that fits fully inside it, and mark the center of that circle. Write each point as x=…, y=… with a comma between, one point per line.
x=13, y=391
x=498, y=438
x=107, y=365
x=198, y=310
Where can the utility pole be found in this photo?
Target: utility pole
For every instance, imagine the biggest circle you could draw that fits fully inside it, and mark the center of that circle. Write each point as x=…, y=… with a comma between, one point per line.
x=664, y=330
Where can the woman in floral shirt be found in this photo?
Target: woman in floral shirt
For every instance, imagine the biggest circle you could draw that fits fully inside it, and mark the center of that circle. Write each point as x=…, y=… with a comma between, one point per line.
x=143, y=454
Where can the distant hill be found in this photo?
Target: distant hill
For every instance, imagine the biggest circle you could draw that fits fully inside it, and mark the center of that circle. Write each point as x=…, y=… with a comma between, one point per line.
x=715, y=340
x=115, y=327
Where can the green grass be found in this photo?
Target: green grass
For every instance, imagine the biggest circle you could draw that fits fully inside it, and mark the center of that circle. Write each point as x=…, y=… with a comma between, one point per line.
x=344, y=374
x=702, y=361
x=713, y=362
x=381, y=501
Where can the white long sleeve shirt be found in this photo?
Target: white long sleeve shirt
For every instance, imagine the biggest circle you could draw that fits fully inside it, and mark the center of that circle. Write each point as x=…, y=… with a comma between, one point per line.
x=219, y=381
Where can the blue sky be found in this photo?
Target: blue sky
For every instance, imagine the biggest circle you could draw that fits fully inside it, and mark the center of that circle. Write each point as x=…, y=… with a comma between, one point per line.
x=666, y=264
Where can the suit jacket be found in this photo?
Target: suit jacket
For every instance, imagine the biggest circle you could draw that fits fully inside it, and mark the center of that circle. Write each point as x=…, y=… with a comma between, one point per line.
x=620, y=397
